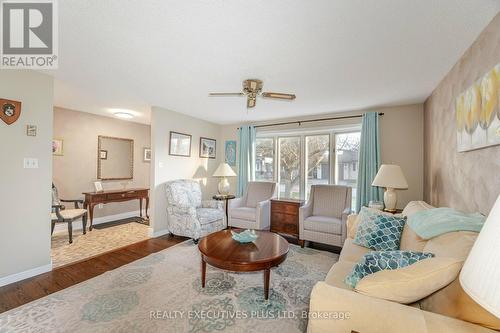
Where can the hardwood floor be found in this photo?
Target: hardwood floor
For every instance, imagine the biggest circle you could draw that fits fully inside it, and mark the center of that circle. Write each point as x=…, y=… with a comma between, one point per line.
x=25, y=291
x=22, y=292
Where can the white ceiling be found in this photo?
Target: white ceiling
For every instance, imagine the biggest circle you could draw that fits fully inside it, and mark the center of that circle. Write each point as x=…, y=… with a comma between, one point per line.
x=335, y=55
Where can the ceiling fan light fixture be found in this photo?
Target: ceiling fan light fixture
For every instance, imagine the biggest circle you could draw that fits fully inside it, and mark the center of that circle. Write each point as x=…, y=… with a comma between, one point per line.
x=278, y=95
x=253, y=88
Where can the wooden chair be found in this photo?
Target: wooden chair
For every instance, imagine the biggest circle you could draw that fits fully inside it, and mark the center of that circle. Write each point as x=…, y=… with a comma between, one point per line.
x=62, y=215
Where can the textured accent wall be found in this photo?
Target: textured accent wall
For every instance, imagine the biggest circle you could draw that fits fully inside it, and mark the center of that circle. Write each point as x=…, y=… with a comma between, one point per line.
x=471, y=180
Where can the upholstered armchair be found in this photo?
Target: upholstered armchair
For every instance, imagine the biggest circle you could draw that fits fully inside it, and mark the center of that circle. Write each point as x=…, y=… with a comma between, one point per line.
x=188, y=215
x=253, y=210
x=62, y=215
x=323, y=218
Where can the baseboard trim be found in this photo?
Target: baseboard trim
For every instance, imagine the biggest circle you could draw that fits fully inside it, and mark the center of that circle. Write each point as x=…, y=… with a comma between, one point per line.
x=25, y=274
x=77, y=224
x=154, y=234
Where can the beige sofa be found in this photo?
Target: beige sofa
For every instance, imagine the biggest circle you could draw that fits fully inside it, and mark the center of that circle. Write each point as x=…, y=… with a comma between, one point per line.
x=335, y=307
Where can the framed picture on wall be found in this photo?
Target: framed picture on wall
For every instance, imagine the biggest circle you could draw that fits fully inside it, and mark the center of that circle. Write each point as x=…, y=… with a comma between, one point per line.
x=180, y=144
x=57, y=147
x=103, y=154
x=207, y=147
x=230, y=152
x=147, y=155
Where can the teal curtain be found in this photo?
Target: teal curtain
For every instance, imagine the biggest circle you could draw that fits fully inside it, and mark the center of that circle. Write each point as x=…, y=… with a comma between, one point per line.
x=369, y=161
x=246, y=136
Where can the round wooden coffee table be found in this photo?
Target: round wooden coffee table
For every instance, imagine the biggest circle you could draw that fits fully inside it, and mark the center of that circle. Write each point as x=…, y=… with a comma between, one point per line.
x=221, y=251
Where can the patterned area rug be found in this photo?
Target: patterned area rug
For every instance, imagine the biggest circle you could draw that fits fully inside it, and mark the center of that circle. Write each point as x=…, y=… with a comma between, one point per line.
x=95, y=242
x=162, y=293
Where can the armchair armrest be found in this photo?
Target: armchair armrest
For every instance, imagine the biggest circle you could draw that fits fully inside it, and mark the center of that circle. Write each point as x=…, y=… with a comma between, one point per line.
x=57, y=209
x=304, y=212
x=182, y=210
x=75, y=201
x=263, y=215
x=217, y=204
x=235, y=203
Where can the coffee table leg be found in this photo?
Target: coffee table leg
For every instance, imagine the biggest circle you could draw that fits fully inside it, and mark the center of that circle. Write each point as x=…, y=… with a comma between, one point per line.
x=203, y=272
x=267, y=275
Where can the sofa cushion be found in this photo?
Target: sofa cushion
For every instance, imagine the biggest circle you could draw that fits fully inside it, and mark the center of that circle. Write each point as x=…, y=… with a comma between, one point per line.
x=373, y=262
x=412, y=283
x=243, y=213
x=324, y=224
x=329, y=200
x=379, y=232
x=209, y=215
x=410, y=241
x=259, y=191
x=352, y=252
x=338, y=272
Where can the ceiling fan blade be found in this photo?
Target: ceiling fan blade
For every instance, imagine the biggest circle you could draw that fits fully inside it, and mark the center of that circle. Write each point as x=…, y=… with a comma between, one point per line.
x=278, y=95
x=251, y=102
x=226, y=94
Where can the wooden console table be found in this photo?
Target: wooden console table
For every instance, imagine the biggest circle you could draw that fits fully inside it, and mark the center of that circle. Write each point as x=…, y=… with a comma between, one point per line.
x=104, y=197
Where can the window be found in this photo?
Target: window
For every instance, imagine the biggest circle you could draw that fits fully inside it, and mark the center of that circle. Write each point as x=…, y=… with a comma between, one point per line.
x=298, y=161
x=347, y=151
x=317, y=160
x=289, y=166
x=264, y=159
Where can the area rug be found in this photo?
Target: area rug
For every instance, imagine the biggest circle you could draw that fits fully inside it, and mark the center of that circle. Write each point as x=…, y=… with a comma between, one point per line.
x=94, y=242
x=162, y=293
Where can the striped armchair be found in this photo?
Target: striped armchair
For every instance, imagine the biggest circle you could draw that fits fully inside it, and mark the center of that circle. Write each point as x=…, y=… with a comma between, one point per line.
x=323, y=218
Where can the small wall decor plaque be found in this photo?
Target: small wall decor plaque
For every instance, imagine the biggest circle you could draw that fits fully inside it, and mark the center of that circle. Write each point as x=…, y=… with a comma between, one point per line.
x=9, y=110
x=30, y=130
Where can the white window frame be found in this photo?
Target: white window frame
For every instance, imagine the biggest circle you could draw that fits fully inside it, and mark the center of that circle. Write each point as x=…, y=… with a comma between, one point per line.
x=302, y=134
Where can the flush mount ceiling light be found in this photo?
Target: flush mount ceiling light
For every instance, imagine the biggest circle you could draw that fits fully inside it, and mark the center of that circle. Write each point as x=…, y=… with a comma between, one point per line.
x=123, y=115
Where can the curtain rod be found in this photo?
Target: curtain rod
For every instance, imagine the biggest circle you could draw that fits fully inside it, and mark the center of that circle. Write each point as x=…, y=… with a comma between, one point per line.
x=299, y=122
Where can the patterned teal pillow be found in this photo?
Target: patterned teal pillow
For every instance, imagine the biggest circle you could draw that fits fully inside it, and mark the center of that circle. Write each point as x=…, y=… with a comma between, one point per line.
x=373, y=262
x=379, y=232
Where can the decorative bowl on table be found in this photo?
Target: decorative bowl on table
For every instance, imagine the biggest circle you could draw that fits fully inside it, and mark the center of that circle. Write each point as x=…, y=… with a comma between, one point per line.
x=246, y=236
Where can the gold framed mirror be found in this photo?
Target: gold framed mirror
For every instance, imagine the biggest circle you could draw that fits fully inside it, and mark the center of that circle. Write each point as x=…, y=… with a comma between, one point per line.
x=115, y=158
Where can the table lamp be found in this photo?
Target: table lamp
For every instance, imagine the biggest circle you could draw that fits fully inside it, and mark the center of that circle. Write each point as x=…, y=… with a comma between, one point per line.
x=480, y=276
x=224, y=171
x=391, y=177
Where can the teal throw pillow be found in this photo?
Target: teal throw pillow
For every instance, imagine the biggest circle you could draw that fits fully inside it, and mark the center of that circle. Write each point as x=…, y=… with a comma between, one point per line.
x=373, y=262
x=378, y=231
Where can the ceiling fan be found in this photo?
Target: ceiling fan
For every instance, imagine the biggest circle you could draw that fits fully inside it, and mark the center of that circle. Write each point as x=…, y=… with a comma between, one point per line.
x=253, y=88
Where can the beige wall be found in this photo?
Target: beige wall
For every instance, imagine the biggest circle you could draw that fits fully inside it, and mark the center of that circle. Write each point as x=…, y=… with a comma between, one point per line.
x=470, y=180
x=167, y=167
x=401, y=140
x=76, y=171
x=25, y=193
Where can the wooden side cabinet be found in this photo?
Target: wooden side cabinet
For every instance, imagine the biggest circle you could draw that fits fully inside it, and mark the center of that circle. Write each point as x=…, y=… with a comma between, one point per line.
x=285, y=216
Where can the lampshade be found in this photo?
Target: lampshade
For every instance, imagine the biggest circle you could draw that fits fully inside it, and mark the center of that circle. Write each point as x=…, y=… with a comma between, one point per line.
x=480, y=276
x=224, y=170
x=390, y=175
